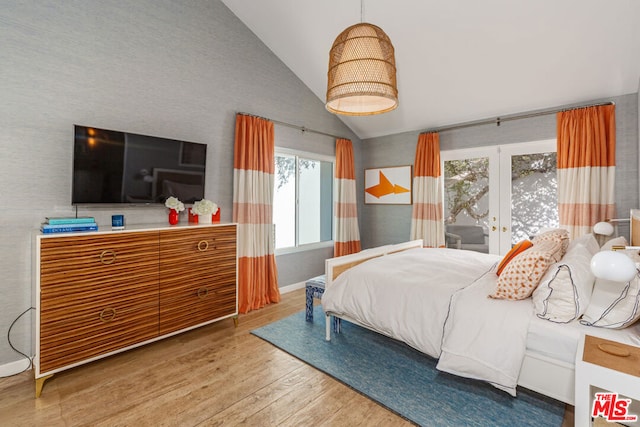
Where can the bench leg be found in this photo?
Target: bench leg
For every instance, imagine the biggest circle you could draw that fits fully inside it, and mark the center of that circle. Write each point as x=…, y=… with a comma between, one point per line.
x=309, y=305
x=330, y=321
x=337, y=324
x=327, y=324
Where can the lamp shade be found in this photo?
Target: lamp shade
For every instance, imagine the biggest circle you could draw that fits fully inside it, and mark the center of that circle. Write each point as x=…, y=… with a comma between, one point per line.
x=604, y=228
x=362, y=72
x=614, y=266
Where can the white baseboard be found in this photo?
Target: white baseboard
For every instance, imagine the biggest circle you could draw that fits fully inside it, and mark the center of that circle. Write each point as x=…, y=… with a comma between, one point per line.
x=13, y=368
x=291, y=288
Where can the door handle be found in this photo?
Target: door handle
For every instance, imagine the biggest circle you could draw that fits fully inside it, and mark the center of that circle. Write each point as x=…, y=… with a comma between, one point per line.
x=494, y=228
x=504, y=229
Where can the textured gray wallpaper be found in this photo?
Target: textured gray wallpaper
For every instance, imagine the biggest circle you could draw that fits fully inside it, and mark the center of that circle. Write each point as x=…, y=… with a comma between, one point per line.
x=155, y=67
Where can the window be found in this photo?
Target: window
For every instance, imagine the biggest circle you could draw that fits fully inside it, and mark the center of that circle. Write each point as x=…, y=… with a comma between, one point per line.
x=303, y=200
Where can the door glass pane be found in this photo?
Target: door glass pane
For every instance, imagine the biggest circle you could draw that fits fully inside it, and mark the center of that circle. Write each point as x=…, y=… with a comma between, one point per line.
x=315, y=201
x=284, y=201
x=534, y=194
x=466, y=194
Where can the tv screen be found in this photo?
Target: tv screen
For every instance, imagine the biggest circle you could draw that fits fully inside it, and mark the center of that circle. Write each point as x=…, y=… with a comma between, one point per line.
x=111, y=167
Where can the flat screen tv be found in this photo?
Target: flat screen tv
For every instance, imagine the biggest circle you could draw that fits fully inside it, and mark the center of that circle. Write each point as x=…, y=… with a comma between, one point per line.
x=112, y=167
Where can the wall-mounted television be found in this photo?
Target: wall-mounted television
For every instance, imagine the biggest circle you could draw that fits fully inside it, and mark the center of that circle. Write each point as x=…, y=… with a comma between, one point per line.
x=113, y=167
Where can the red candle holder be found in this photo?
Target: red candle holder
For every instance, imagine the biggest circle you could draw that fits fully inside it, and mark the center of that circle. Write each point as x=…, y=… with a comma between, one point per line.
x=193, y=218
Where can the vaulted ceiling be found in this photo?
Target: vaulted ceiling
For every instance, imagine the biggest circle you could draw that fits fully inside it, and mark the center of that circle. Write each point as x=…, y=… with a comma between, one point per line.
x=464, y=60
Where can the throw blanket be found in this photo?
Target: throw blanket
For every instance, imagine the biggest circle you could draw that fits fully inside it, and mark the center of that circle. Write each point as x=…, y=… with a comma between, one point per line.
x=435, y=300
x=489, y=341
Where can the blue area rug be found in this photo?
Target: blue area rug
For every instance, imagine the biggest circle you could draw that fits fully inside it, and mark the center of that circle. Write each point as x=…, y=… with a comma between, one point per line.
x=405, y=380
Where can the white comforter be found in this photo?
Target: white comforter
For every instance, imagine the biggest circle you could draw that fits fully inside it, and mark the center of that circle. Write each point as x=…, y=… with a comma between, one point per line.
x=435, y=300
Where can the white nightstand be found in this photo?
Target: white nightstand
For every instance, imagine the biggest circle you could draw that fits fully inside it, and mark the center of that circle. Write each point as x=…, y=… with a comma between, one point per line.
x=600, y=371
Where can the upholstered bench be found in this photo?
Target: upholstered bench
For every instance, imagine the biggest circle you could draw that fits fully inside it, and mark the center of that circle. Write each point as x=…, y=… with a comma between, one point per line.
x=314, y=289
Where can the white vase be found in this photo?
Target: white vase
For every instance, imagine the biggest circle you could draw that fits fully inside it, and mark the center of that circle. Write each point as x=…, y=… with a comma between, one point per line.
x=204, y=219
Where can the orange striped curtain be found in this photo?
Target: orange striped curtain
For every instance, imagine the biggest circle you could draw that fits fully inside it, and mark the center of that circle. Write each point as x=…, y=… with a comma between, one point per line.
x=427, y=219
x=347, y=240
x=586, y=167
x=253, y=178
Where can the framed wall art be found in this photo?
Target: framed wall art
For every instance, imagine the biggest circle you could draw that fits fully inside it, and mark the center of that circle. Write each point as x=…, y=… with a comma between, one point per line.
x=388, y=185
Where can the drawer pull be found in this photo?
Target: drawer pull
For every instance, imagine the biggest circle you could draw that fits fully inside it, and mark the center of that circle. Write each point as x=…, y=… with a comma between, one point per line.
x=108, y=314
x=202, y=293
x=203, y=245
x=107, y=257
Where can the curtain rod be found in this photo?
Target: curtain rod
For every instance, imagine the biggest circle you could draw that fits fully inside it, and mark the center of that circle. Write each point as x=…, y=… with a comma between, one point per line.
x=499, y=120
x=302, y=128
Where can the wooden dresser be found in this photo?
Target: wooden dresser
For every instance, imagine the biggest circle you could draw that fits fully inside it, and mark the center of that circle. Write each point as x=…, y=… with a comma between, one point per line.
x=101, y=293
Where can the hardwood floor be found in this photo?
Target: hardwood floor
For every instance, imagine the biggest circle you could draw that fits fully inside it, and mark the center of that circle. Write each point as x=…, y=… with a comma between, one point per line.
x=215, y=375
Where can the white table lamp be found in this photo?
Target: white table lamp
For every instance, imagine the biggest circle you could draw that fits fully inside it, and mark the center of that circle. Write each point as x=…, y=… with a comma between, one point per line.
x=608, y=226
x=614, y=266
x=604, y=228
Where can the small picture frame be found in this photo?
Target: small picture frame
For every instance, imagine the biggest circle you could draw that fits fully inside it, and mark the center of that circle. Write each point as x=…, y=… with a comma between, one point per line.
x=388, y=185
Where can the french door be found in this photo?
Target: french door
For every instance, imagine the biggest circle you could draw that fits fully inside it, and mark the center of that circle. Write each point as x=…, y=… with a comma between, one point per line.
x=510, y=191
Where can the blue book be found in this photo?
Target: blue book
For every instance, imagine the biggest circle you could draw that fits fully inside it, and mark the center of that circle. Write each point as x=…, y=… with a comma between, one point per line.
x=71, y=220
x=66, y=228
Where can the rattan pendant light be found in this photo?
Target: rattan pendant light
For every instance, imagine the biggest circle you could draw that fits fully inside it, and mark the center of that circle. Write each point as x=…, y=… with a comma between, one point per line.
x=362, y=72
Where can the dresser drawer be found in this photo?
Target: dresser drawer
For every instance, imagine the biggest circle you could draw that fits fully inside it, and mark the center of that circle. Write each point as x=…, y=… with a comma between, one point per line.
x=71, y=264
x=190, y=306
x=207, y=244
x=87, y=328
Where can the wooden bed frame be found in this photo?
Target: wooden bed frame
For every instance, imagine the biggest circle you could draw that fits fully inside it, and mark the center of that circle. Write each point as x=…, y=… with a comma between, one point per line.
x=542, y=374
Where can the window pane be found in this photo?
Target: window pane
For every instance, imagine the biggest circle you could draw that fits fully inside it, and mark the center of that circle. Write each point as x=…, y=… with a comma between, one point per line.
x=315, y=208
x=466, y=191
x=284, y=201
x=534, y=194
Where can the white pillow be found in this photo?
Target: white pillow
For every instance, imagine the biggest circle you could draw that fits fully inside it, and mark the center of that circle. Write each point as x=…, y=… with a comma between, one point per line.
x=565, y=290
x=588, y=241
x=614, y=305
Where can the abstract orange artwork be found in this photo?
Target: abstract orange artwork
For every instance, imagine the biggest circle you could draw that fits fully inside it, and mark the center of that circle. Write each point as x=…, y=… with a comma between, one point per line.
x=390, y=185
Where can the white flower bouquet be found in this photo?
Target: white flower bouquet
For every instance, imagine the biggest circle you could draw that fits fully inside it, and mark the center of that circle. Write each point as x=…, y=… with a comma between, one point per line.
x=174, y=203
x=204, y=207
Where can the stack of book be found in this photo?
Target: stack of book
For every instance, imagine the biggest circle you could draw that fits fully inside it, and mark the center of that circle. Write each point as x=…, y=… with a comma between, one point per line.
x=69, y=224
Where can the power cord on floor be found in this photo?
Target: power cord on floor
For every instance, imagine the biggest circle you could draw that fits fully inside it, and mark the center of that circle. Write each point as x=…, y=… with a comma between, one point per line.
x=14, y=348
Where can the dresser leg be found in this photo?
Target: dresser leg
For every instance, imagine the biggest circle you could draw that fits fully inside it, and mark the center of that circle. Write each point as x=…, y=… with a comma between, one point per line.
x=40, y=383
x=235, y=321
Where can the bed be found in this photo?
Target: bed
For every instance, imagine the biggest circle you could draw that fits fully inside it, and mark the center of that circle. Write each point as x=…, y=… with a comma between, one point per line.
x=435, y=300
